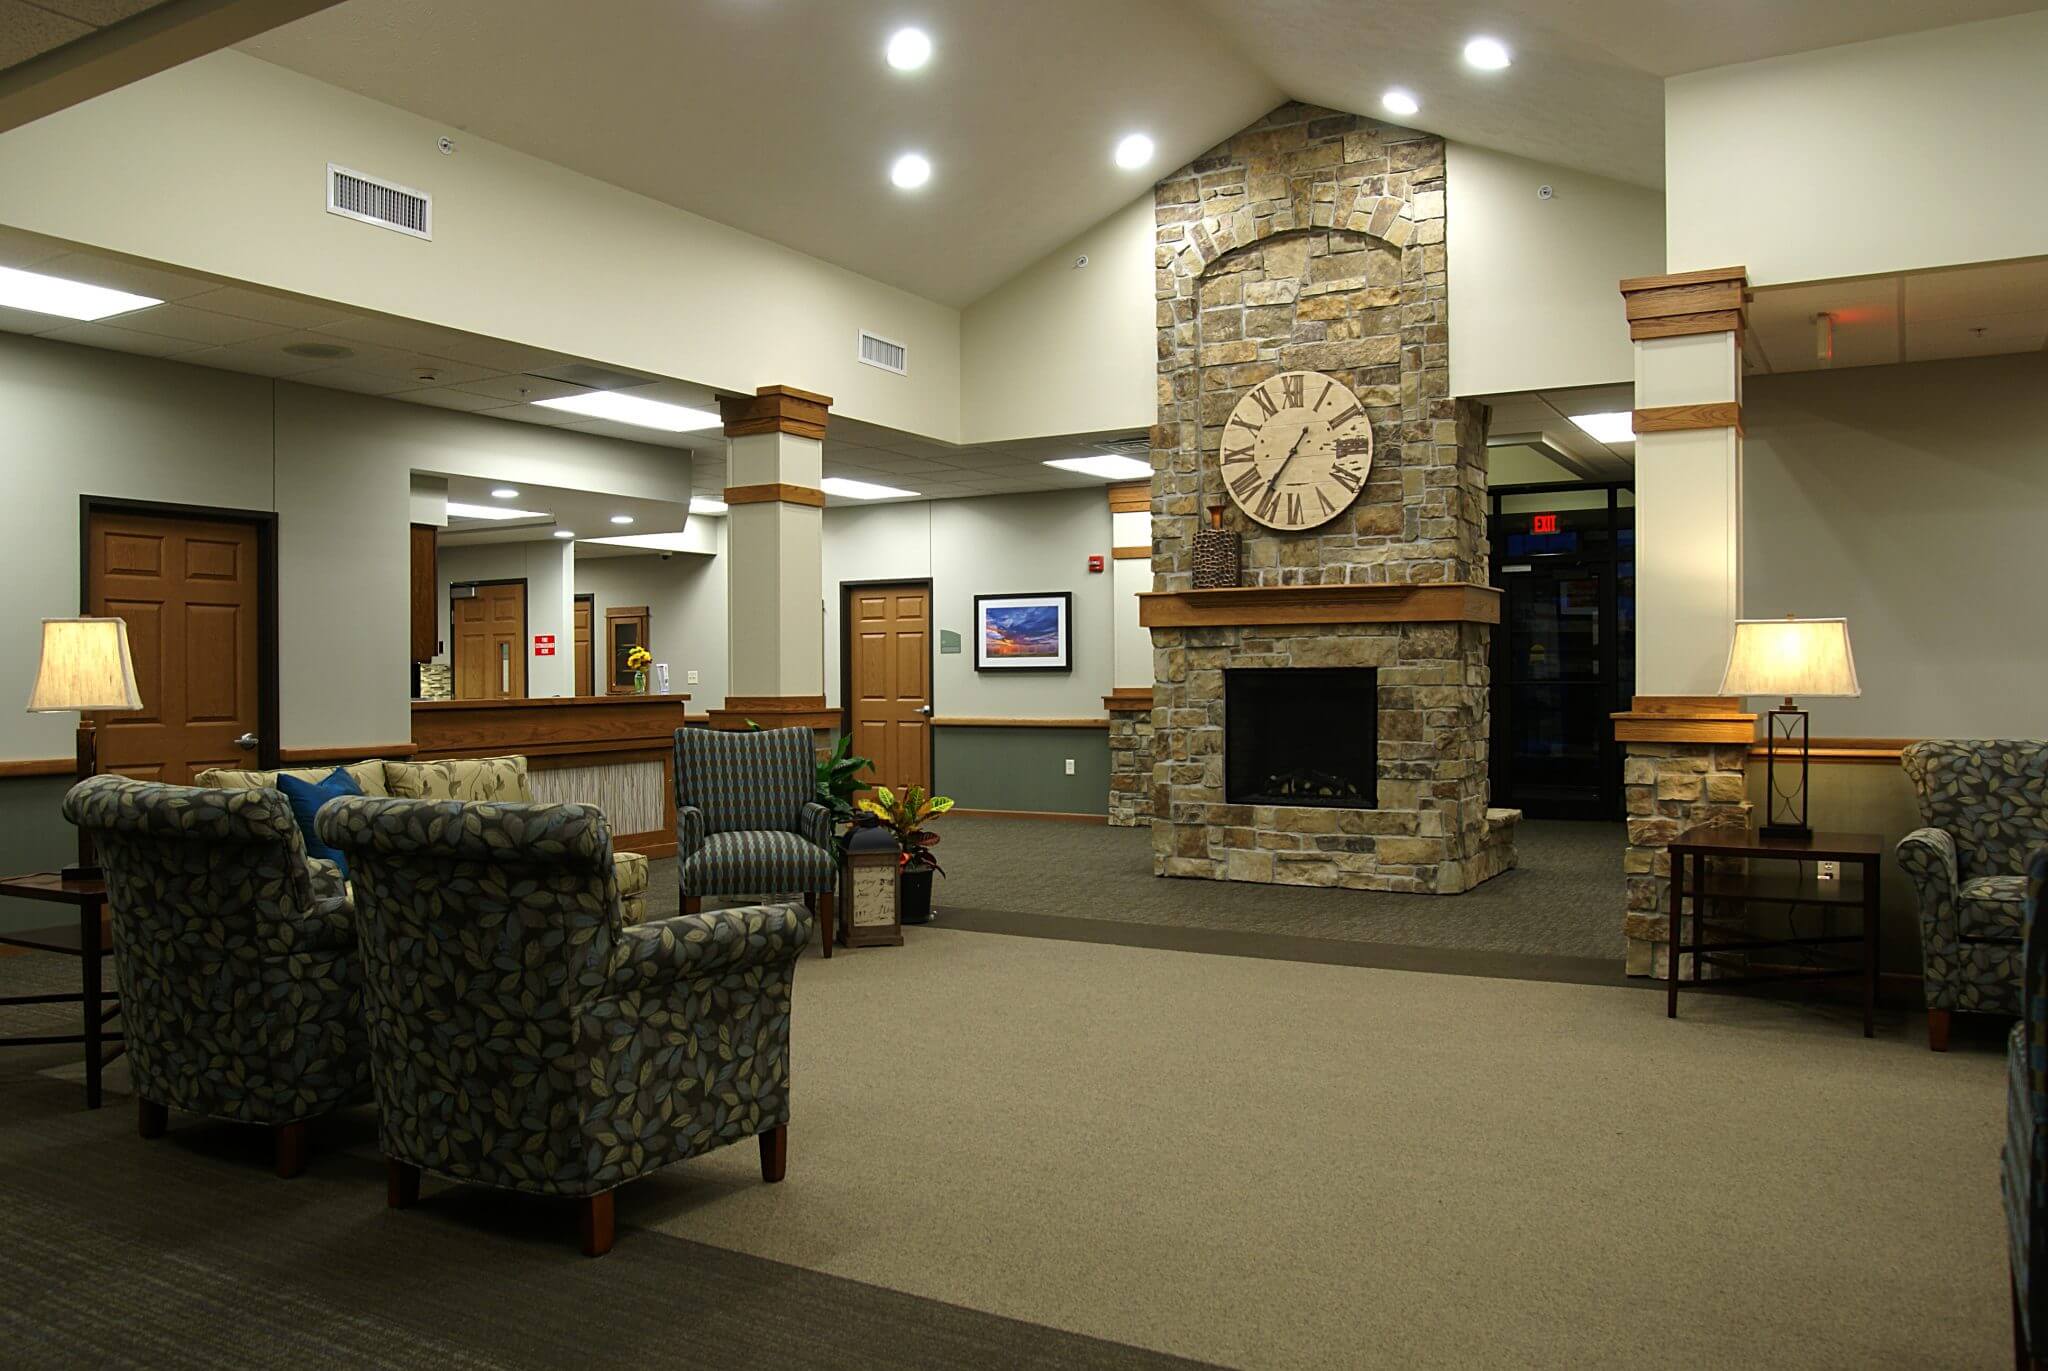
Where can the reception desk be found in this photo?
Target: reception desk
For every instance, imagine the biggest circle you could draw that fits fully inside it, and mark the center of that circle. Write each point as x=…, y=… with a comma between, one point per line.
x=612, y=751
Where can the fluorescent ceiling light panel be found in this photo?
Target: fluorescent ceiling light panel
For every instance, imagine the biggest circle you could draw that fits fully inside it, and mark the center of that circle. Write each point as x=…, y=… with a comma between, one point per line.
x=635, y=410
x=458, y=510
x=1615, y=426
x=704, y=504
x=40, y=294
x=861, y=490
x=1108, y=466
x=656, y=542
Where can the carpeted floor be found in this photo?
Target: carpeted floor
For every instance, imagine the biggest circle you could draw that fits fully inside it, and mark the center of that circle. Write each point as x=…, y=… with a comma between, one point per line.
x=1564, y=900
x=1001, y=1142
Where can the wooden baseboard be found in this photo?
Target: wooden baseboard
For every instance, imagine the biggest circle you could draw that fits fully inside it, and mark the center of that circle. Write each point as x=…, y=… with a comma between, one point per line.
x=50, y=766
x=1055, y=814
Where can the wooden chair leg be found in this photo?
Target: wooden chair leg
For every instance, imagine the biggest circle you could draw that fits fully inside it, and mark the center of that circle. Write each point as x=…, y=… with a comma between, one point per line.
x=775, y=1153
x=1937, y=1029
x=693, y=904
x=289, y=1146
x=820, y=904
x=594, y=1218
x=401, y=1184
x=151, y=1118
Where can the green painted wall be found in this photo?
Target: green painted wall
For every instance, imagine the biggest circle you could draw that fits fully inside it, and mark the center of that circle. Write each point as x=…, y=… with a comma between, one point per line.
x=1023, y=768
x=34, y=837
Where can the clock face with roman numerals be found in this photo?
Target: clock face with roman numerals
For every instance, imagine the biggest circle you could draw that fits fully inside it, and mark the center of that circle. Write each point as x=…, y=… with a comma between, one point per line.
x=1297, y=450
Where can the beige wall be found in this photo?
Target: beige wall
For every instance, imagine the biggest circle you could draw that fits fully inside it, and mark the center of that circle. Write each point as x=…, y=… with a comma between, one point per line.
x=685, y=598
x=218, y=165
x=335, y=467
x=544, y=566
x=1533, y=304
x=1912, y=499
x=1902, y=153
x=1059, y=349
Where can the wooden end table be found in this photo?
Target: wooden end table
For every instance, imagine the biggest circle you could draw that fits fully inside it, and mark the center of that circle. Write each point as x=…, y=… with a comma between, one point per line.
x=1858, y=853
x=89, y=941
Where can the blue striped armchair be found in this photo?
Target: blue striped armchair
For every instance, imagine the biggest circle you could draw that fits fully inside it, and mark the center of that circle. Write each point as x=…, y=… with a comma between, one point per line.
x=2023, y=1178
x=241, y=991
x=748, y=822
x=1984, y=804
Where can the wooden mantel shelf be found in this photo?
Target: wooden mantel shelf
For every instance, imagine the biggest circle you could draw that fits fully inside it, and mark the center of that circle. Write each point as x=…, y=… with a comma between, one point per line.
x=1451, y=602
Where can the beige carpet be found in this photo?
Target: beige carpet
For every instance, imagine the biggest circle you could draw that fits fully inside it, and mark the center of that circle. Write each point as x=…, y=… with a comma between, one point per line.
x=1273, y=1164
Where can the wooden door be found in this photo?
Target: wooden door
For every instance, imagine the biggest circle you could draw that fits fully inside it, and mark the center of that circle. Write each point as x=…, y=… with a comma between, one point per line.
x=489, y=629
x=192, y=593
x=889, y=680
x=426, y=578
x=586, y=680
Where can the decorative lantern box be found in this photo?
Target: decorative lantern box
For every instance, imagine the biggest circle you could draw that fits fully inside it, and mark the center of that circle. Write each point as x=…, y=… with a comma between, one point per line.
x=871, y=908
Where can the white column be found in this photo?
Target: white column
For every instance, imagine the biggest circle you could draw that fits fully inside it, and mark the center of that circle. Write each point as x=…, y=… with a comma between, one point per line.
x=1130, y=576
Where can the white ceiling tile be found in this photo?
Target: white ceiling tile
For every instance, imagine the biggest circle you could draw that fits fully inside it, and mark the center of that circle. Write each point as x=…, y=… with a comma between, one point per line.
x=256, y=359
x=284, y=311
x=1981, y=336
x=446, y=397
x=120, y=274
x=28, y=30
x=1972, y=292
x=194, y=325
x=19, y=249
x=409, y=335
x=29, y=321
x=124, y=340
x=519, y=389
x=348, y=378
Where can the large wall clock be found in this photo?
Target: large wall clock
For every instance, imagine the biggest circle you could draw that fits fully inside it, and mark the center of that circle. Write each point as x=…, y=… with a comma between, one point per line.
x=1297, y=450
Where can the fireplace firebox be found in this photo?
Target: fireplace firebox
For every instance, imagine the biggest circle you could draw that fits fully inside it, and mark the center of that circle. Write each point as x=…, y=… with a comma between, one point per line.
x=1301, y=736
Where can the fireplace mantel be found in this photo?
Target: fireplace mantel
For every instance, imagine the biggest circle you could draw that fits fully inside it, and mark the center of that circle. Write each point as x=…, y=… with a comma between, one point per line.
x=1450, y=602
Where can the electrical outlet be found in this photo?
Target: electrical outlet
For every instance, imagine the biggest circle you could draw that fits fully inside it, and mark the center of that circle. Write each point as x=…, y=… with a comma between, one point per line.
x=691, y=677
x=1070, y=766
x=1829, y=871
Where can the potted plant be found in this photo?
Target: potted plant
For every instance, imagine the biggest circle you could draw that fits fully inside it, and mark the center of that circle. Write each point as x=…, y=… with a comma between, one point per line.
x=838, y=782
x=905, y=816
x=639, y=659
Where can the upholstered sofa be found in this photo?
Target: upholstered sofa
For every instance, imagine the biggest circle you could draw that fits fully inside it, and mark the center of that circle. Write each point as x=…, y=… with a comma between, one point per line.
x=474, y=779
x=521, y=1036
x=2023, y=1176
x=236, y=959
x=1984, y=804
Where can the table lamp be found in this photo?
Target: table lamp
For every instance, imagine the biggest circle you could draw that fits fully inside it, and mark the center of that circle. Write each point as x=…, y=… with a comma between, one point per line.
x=1788, y=657
x=86, y=667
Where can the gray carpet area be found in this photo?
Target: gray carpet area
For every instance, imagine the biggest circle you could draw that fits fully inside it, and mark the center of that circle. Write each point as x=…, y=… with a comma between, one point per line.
x=1565, y=899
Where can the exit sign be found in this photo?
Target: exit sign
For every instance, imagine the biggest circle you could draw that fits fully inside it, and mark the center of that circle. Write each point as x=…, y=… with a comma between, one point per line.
x=1543, y=523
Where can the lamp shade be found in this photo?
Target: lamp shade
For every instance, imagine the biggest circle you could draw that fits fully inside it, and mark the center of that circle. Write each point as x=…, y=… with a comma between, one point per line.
x=85, y=666
x=1790, y=657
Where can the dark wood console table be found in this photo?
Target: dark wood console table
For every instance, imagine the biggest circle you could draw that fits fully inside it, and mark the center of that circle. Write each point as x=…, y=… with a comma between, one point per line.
x=1856, y=889
x=86, y=940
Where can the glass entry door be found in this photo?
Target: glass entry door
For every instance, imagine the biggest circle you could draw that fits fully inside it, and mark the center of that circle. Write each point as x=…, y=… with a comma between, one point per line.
x=1563, y=657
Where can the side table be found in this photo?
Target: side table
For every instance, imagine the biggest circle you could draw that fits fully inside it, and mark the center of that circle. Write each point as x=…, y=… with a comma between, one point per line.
x=1861, y=853
x=89, y=941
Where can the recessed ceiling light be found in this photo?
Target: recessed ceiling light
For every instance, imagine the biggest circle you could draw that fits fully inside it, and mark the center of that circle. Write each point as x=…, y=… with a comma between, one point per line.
x=1487, y=54
x=1614, y=426
x=1107, y=466
x=504, y=493
x=909, y=49
x=40, y=294
x=1134, y=151
x=704, y=504
x=1399, y=102
x=861, y=490
x=910, y=171
x=622, y=518
x=634, y=410
x=457, y=510
x=565, y=533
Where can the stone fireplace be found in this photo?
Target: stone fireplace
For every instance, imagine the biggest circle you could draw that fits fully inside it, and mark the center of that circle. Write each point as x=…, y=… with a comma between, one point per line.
x=1314, y=241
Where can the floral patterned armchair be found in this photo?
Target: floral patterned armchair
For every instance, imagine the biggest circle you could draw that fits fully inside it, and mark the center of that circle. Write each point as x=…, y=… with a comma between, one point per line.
x=241, y=996
x=521, y=1037
x=748, y=821
x=2023, y=1176
x=1985, y=807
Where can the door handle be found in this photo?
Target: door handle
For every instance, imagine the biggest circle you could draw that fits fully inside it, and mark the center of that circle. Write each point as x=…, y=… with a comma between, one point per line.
x=247, y=742
x=924, y=709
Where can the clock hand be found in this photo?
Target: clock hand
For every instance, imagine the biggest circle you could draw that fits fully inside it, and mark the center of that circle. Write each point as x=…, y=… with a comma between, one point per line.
x=1288, y=458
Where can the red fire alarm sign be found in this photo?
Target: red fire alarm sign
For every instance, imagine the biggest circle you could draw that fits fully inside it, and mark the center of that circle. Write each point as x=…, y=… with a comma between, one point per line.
x=1095, y=562
x=543, y=644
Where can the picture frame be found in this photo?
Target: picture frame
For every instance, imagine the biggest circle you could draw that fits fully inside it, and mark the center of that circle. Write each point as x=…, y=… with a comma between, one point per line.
x=1024, y=632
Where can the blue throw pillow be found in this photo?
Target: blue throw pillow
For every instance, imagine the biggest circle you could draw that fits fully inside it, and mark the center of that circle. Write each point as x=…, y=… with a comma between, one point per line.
x=307, y=797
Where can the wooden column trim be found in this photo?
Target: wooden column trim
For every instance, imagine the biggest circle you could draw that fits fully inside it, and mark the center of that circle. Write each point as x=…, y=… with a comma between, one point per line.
x=1130, y=554
x=1681, y=418
x=1128, y=700
x=1686, y=302
x=773, y=711
x=777, y=493
x=1130, y=497
x=775, y=409
x=1448, y=602
x=1685, y=719
x=40, y=766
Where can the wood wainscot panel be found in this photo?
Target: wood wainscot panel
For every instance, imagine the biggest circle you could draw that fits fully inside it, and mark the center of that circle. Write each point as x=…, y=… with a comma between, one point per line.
x=775, y=711
x=964, y=722
x=1850, y=751
x=41, y=766
x=342, y=756
x=1448, y=602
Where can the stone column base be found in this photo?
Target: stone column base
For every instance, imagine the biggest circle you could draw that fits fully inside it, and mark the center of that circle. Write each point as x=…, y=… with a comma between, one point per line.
x=1130, y=757
x=1672, y=787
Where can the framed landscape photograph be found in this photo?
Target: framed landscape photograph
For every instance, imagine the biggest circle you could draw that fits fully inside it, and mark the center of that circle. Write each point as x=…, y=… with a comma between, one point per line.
x=1024, y=632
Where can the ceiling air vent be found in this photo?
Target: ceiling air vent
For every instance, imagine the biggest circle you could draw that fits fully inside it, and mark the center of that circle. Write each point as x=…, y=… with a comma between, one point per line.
x=878, y=351
x=1136, y=445
x=353, y=195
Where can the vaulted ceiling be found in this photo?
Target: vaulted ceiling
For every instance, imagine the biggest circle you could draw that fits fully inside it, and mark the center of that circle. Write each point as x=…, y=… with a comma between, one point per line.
x=780, y=117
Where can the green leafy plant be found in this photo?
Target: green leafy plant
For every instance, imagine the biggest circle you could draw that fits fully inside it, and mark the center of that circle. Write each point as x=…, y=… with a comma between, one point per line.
x=905, y=816
x=838, y=782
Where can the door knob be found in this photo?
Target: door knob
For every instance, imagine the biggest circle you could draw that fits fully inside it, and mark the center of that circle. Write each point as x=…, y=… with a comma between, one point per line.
x=247, y=742
x=924, y=709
